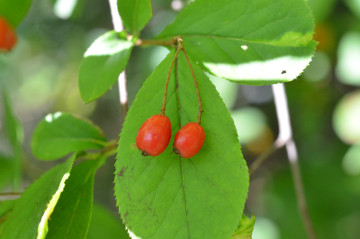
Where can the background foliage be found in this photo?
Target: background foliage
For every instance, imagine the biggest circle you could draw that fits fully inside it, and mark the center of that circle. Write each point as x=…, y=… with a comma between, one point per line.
x=41, y=76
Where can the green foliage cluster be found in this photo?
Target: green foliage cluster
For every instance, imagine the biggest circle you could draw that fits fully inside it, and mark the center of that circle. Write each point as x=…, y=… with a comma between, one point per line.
x=164, y=196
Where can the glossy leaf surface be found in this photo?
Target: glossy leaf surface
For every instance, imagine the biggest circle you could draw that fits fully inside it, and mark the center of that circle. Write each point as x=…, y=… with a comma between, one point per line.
x=103, y=61
x=72, y=214
x=170, y=197
x=62, y=133
x=250, y=42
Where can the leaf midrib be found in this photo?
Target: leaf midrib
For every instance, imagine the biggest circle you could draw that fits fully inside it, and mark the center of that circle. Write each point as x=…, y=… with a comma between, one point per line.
x=185, y=201
x=239, y=39
x=82, y=140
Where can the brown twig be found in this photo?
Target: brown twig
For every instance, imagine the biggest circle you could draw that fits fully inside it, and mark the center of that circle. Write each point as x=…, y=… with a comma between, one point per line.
x=149, y=42
x=261, y=159
x=286, y=137
x=9, y=196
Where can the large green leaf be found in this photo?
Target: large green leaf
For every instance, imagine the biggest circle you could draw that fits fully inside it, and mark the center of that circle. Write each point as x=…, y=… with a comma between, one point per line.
x=135, y=14
x=105, y=225
x=105, y=59
x=62, y=133
x=170, y=197
x=6, y=208
x=72, y=214
x=32, y=211
x=251, y=42
x=15, y=10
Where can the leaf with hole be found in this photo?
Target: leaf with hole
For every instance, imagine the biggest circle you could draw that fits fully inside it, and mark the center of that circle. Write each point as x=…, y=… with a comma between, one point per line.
x=250, y=42
x=170, y=197
x=102, y=63
x=62, y=133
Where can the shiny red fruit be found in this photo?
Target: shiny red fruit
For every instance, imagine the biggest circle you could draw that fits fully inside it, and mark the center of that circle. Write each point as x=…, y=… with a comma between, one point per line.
x=189, y=140
x=154, y=135
x=7, y=36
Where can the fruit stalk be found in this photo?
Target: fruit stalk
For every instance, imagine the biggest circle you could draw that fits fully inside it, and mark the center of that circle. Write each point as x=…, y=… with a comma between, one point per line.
x=196, y=87
x=179, y=47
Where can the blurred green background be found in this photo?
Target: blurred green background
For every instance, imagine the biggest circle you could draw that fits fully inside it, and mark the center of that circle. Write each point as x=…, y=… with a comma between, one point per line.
x=40, y=76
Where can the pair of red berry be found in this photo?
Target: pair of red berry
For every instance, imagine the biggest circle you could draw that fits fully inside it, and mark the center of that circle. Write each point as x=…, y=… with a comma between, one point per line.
x=7, y=36
x=155, y=133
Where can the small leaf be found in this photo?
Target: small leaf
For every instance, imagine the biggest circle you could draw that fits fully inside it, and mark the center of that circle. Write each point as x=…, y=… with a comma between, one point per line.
x=104, y=225
x=31, y=212
x=62, y=133
x=135, y=14
x=6, y=170
x=15, y=135
x=170, y=197
x=72, y=214
x=245, y=229
x=250, y=42
x=15, y=10
x=12, y=126
x=103, y=61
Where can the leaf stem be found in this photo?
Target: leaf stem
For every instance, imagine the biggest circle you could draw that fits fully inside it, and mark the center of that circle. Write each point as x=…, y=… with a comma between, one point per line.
x=177, y=91
x=179, y=47
x=109, y=150
x=149, y=42
x=196, y=87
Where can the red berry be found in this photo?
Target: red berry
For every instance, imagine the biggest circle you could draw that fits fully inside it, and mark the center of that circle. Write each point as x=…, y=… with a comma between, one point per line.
x=189, y=140
x=154, y=135
x=7, y=36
